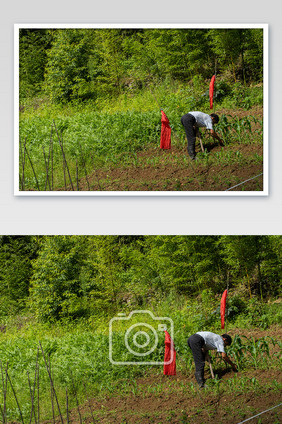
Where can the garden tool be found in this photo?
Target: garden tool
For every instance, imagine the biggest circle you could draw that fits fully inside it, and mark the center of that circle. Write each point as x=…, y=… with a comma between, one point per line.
x=208, y=359
x=199, y=136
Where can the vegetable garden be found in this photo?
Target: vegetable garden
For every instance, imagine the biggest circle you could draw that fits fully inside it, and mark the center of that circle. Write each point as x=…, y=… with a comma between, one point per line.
x=90, y=114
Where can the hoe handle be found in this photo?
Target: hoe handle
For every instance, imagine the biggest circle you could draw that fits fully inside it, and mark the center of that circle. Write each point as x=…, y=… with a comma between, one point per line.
x=208, y=358
x=199, y=136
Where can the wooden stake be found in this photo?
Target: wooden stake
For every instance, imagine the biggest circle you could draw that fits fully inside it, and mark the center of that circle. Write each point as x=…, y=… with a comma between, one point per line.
x=64, y=156
x=67, y=399
x=47, y=170
x=32, y=397
x=38, y=402
x=15, y=397
x=85, y=391
x=23, y=165
x=84, y=165
x=52, y=384
x=96, y=174
x=4, y=384
x=77, y=181
x=77, y=404
x=32, y=169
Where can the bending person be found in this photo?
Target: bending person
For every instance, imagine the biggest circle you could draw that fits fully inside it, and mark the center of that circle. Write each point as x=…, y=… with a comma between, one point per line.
x=192, y=121
x=203, y=341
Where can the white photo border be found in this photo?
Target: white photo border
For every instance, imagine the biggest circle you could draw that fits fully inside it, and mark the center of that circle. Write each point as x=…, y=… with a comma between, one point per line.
x=264, y=192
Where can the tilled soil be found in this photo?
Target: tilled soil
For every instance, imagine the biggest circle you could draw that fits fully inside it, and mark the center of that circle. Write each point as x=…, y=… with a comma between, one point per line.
x=168, y=175
x=192, y=406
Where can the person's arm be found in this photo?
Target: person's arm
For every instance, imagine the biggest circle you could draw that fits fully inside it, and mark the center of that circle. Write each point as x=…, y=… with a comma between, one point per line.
x=215, y=135
x=228, y=360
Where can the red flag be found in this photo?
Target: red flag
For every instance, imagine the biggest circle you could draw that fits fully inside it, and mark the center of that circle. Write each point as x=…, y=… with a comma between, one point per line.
x=212, y=90
x=165, y=132
x=222, y=307
x=170, y=356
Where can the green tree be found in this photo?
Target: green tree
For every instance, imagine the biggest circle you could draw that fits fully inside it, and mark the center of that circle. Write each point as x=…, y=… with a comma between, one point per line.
x=16, y=255
x=244, y=255
x=55, y=286
x=33, y=47
x=67, y=76
x=240, y=50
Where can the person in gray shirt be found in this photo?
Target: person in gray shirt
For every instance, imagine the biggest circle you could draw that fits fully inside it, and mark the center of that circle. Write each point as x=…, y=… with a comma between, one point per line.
x=192, y=121
x=203, y=341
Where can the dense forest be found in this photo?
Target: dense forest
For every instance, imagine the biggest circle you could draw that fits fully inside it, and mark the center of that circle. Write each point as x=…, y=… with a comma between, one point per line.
x=71, y=277
x=80, y=64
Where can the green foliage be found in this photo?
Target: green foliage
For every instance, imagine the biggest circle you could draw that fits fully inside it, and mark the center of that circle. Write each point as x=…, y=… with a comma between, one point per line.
x=95, y=138
x=55, y=288
x=69, y=277
x=16, y=254
x=240, y=50
x=78, y=356
x=99, y=63
x=111, y=132
x=253, y=353
x=66, y=69
x=33, y=45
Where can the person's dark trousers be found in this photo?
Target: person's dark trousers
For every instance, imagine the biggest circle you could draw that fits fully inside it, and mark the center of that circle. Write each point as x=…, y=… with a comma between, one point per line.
x=196, y=343
x=188, y=121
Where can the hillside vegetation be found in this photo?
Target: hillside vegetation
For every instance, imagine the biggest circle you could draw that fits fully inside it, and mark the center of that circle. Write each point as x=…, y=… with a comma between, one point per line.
x=90, y=104
x=60, y=293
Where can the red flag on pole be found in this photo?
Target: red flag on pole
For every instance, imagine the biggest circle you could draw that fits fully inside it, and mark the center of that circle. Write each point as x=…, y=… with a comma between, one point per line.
x=222, y=307
x=170, y=356
x=212, y=90
x=165, y=132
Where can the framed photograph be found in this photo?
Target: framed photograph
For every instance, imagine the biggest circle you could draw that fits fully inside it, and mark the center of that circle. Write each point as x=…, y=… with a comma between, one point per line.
x=152, y=109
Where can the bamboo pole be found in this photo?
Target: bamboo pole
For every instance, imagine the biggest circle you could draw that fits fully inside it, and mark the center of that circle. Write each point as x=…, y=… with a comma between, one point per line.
x=67, y=406
x=52, y=392
x=64, y=165
x=32, y=397
x=84, y=165
x=23, y=166
x=21, y=415
x=38, y=384
x=2, y=413
x=91, y=411
x=64, y=156
x=51, y=382
x=52, y=159
x=21, y=159
x=32, y=169
x=77, y=181
x=77, y=404
x=97, y=177
x=47, y=170
x=4, y=384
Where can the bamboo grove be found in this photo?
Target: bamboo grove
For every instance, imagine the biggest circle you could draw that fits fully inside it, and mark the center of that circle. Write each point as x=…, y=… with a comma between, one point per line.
x=82, y=64
x=71, y=277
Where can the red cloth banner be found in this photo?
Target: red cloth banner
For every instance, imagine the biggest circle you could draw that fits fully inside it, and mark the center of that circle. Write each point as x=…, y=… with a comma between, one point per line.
x=165, y=132
x=170, y=356
x=222, y=307
x=212, y=90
